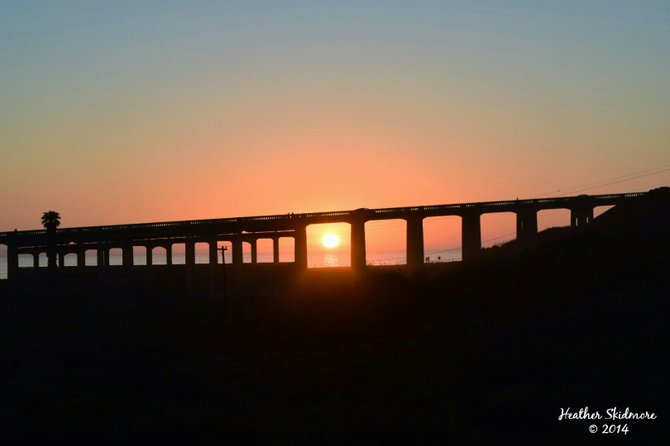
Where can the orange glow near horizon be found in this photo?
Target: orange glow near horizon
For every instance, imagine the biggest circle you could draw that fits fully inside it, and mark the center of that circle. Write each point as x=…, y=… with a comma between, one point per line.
x=235, y=110
x=319, y=255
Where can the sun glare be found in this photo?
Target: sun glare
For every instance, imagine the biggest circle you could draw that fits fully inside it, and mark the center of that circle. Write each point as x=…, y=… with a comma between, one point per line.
x=330, y=240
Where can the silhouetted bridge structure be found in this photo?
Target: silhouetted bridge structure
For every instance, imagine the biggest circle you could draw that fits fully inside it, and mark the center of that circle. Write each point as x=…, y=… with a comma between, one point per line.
x=59, y=243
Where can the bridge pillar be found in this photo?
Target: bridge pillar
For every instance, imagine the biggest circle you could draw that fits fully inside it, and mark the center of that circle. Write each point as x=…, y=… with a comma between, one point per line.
x=127, y=255
x=275, y=249
x=588, y=216
x=150, y=254
x=238, y=259
x=213, y=247
x=168, y=254
x=358, y=244
x=12, y=256
x=300, y=246
x=254, y=250
x=189, y=253
x=414, y=243
x=471, y=234
x=61, y=258
x=213, y=252
x=81, y=256
x=526, y=228
x=36, y=259
x=52, y=256
x=100, y=251
x=580, y=218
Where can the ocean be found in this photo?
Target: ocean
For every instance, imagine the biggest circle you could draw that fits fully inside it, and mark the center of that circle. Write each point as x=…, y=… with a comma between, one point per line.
x=314, y=260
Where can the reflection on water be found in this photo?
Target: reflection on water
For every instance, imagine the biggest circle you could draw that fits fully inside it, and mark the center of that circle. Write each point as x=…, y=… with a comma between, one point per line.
x=330, y=260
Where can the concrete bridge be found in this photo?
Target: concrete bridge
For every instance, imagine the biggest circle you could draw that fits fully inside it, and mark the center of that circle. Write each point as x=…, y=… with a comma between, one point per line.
x=59, y=243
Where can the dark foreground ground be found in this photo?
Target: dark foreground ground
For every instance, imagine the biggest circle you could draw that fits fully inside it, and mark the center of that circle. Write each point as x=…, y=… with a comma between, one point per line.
x=485, y=354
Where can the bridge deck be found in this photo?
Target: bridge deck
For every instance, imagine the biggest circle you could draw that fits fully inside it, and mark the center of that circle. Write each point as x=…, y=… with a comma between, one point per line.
x=289, y=221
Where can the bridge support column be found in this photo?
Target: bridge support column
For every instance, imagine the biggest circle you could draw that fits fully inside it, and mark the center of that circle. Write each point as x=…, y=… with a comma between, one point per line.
x=213, y=252
x=414, y=243
x=213, y=246
x=12, y=257
x=100, y=251
x=300, y=255
x=275, y=249
x=254, y=250
x=168, y=254
x=526, y=228
x=238, y=259
x=127, y=255
x=36, y=259
x=52, y=256
x=189, y=253
x=61, y=259
x=358, y=245
x=81, y=256
x=471, y=234
x=580, y=218
x=150, y=255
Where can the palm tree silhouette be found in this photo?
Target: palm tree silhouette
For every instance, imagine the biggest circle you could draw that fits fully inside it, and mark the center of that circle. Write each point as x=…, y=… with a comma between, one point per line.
x=51, y=221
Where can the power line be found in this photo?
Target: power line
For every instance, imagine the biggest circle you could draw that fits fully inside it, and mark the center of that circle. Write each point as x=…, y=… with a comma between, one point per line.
x=613, y=180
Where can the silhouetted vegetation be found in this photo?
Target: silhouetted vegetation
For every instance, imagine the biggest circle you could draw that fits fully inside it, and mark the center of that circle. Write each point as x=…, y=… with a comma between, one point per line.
x=51, y=220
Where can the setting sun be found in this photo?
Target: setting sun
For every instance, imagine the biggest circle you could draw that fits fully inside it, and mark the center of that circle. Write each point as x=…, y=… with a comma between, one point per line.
x=330, y=240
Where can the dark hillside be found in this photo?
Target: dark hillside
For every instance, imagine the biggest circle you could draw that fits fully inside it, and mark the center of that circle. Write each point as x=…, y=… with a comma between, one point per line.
x=486, y=353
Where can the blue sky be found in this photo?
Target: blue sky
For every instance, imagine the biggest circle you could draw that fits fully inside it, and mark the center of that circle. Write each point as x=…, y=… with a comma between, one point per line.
x=339, y=102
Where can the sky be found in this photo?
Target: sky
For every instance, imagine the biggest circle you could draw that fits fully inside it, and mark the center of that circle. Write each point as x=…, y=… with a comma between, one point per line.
x=136, y=111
